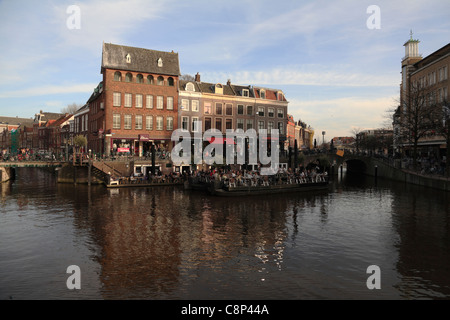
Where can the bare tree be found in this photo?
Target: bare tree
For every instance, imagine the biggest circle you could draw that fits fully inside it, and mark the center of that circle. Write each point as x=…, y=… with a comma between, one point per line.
x=418, y=117
x=71, y=108
x=443, y=128
x=187, y=77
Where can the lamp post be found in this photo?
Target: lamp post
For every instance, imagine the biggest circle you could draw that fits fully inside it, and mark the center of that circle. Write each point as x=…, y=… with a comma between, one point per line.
x=323, y=137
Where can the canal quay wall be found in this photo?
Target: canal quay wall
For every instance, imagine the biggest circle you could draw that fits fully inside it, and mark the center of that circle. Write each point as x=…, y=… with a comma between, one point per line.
x=378, y=168
x=76, y=174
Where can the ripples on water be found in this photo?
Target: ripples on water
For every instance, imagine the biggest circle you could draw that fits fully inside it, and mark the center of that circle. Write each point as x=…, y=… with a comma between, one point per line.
x=167, y=243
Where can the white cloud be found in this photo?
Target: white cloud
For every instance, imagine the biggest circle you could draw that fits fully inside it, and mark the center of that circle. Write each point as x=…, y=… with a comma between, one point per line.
x=339, y=116
x=50, y=90
x=318, y=75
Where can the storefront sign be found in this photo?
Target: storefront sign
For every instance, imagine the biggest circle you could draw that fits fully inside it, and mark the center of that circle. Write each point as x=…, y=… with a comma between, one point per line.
x=144, y=137
x=123, y=150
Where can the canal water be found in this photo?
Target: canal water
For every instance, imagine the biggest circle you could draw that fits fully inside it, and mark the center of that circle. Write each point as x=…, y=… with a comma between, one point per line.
x=168, y=243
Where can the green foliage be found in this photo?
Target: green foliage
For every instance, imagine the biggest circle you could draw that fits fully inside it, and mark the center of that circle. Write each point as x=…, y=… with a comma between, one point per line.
x=80, y=141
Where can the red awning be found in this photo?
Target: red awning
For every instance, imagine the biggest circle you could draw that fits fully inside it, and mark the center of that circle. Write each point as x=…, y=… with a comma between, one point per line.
x=215, y=140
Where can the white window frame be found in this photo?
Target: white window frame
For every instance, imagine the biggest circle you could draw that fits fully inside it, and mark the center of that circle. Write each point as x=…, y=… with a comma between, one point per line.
x=128, y=100
x=149, y=101
x=138, y=101
x=159, y=123
x=169, y=103
x=169, y=123
x=185, y=123
x=127, y=122
x=195, y=105
x=117, y=99
x=160, y=102
x=185, y=104
x=138, y=122
x=116, y=121
x=149, y=123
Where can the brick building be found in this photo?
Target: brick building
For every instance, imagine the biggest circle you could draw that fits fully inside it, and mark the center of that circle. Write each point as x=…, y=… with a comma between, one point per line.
x=136, y=104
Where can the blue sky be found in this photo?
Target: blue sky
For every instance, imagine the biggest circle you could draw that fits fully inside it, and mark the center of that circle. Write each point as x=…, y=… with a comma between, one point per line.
x=336, y=72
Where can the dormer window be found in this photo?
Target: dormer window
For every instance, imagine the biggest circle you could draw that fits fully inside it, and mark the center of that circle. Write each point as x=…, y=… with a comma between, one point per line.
x=245, y=93
x=128, y=58
x=218, y=88
x=160, y=62
x=190, y=87
x=262, y=94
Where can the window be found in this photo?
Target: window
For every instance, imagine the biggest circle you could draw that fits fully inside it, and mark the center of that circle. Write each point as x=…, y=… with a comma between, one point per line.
x=117, y=76
x=280, y=127
x=150, y=80
x=249, y=124
x=139, y=78
x=185, y=123
x=128, y=100
x=219, y=124
x=245, y=93
x=240, y=109
x=189, y=87
x=116, y=121
x=195, y=105
x=280, y=96
x=170, y=103
x=249, y=110
x=271, y=112
x=262, y=94
x=207, y=124
x=228, y=124
x=139, y=101
x=160, y=62
x=195, y=124
x=260, y=124
x=149, y=102
x=261, y=111
x=185, y=104
x=270, y=126
x=160, y=81
x=149, y=122
x=117, y=99
x=170, y=82
x=218, y=108
x=240, y=124
x=127, y=121
x=128, y=77
x=159, y=123
x=280, y=113
x=169, y=125
x=159, y=102
x=229, y=109
x=207, y=108
x=128, y=58
x=138, y=122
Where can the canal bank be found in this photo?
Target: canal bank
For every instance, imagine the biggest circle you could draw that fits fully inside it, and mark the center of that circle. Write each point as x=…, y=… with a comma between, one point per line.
x=378, y=168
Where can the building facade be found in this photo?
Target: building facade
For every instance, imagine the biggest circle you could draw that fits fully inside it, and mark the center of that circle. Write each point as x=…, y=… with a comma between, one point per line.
x=424, y=85
x=136, y=104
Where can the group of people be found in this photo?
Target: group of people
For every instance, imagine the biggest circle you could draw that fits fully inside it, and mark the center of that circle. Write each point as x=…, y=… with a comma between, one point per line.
x=236, y=178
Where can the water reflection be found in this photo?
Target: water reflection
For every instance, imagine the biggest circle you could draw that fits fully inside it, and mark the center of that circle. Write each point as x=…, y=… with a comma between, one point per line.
x=168, y=243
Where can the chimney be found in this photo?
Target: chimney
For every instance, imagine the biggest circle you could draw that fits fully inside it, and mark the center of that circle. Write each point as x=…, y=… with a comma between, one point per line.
x=197, y=77
x=228, y=82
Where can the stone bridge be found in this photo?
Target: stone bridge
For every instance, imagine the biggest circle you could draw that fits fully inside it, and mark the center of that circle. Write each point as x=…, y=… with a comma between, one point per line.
x=353, y=162
x=7, y=168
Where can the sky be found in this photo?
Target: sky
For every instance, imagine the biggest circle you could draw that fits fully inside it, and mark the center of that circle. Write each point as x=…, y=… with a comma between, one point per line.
x=338, y=62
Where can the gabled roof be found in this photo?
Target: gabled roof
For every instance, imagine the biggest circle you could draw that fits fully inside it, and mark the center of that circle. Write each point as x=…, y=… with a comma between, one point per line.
x=210, y=88
x=140, y=60
x=15, y=121
x=238, y=89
